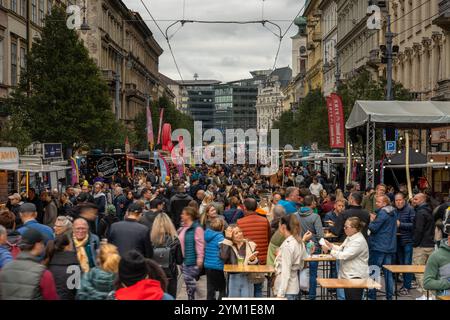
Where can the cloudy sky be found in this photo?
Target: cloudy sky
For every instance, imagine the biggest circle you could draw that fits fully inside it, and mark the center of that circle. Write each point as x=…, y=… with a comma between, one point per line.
x=216, y=51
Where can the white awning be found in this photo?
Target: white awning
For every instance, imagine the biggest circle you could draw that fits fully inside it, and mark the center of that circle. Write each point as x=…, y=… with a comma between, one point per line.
x=400, y=113
x=33, y=168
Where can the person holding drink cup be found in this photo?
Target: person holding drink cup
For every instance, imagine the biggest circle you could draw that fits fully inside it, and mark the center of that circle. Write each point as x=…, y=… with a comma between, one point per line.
x=237, y=250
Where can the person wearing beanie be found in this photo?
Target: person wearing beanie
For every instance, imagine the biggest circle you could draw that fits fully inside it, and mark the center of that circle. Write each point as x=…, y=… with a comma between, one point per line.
x=139, y=279
x=25, y=278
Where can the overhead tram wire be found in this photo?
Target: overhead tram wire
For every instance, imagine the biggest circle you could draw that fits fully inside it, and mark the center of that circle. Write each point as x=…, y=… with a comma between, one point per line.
x=262, y=22
x=151, y=16
x=284, y=34
x=167, y=40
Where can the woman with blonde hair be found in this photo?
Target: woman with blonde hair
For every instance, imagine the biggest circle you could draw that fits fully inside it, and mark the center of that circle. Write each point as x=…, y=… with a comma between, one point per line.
x=99, y=281
x=237, y=250
x=209, y=215
x=167, y=249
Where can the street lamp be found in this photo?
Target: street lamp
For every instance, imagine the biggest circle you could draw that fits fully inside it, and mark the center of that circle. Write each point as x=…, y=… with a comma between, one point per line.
x=84, y=26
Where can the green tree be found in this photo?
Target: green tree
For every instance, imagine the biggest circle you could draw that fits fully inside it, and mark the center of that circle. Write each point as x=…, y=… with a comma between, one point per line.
x=177, y=120
x=68, y=100
x=310, y=122
x=308, y=125
x=364, y=87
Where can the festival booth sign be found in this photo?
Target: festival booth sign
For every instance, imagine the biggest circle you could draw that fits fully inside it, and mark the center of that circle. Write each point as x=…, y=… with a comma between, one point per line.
x=107, y=165
x=12, y=171
x=336, y=121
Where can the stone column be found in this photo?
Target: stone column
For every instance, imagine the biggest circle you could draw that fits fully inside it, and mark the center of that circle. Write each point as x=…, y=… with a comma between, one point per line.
x=426, y=42
x=417, y=79
x=447, y=55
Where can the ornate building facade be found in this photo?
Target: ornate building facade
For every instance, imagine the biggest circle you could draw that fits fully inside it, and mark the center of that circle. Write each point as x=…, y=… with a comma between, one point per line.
x=124, y=48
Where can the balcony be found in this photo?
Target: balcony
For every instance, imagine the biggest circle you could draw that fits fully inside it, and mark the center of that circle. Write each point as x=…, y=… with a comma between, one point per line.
x=443, y=20
x=443, y=91
x=131, y=90
x=108, y=75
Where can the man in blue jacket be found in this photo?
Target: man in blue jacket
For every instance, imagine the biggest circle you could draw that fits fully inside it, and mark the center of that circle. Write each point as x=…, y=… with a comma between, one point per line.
x=405, y=224
x=292, y=199
x=28, y=214
x=383, y=241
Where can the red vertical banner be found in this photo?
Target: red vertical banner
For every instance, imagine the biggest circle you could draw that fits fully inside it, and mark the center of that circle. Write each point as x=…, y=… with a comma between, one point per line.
x=336, y=121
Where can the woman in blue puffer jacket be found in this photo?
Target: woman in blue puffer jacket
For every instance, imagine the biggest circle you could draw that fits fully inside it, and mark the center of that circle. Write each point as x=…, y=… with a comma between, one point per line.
x=215, y=278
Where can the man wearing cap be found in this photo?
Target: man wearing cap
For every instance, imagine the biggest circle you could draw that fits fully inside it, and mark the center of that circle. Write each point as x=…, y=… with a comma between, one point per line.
x=129, y=234
x=28, y=216
x=25, y=278
x=16, y=201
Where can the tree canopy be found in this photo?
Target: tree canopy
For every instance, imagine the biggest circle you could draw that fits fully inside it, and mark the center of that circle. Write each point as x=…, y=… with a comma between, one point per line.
x=61, y=96
x=310, y=122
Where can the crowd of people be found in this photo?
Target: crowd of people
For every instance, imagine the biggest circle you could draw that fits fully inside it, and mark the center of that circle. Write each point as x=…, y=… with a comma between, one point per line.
x=129, y=238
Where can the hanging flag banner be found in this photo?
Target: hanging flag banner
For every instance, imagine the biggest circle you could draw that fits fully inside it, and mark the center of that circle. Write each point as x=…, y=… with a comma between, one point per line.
x=75, y=173
x=166, y=137
x=180, y=157
x=150, y=138
x=161, y=115
x=336, y=121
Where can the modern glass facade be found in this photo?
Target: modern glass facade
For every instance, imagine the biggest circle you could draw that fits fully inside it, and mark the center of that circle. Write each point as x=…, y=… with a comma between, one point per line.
x=235, y=103
x=198, y=99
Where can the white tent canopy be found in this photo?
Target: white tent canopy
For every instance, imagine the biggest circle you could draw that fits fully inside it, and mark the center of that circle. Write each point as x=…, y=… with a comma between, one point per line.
x=33, y=168
x=400, y=113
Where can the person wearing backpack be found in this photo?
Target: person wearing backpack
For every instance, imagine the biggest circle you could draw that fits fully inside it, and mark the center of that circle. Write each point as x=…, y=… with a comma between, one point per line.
x=167, y=250
x=232, y=214
x=5, y=254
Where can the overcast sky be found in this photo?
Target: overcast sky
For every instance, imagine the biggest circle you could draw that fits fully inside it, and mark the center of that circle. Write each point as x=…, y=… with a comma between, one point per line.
x=217, y=51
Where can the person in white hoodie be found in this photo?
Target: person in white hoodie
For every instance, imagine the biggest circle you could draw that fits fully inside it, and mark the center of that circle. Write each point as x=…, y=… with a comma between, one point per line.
x=290, y=258
x=353, y=255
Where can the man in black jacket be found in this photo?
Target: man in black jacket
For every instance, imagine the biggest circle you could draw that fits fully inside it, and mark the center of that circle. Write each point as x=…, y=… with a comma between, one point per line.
x=423, y=242
x=148, y=217
x=354, y=210
x=177, y=204
x=130, y=235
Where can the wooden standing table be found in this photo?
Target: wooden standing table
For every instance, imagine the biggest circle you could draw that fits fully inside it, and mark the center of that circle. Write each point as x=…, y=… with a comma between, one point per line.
x=349, y=284
x=237, y=268
x=326, y=259
x=397, y=269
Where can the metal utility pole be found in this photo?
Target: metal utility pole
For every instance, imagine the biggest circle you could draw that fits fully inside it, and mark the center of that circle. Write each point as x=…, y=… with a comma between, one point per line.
x=389, y=58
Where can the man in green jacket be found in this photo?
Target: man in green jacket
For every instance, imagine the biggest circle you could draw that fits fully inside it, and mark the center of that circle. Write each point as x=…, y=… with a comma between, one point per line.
x=437, y=271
